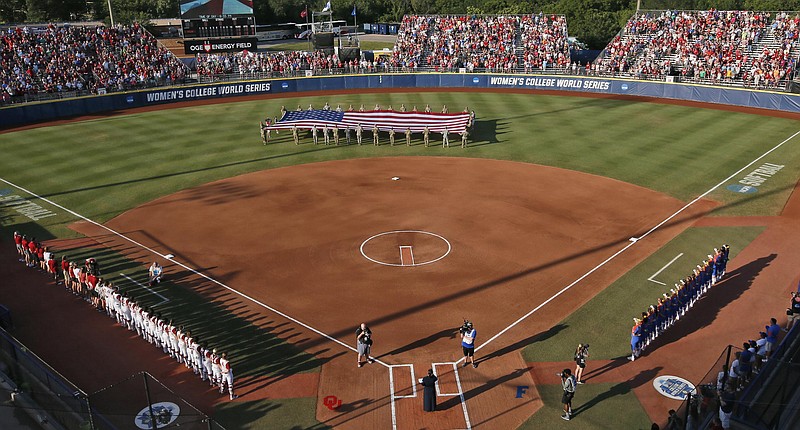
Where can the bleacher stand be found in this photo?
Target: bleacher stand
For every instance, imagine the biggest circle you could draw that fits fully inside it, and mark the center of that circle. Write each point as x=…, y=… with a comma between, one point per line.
x=54, y=59
x=747, y=48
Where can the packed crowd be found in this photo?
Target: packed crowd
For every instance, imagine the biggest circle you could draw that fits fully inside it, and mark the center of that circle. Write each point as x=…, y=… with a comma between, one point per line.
x=482, y=42
x=673, y=305
x=84, y=279
x=544, y=42
x=277, y=63
x=70, y=58
x=710, y=46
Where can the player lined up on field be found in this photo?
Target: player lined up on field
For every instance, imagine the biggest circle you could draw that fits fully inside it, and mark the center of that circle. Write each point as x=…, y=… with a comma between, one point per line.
x=84, y=280
x=674, y=304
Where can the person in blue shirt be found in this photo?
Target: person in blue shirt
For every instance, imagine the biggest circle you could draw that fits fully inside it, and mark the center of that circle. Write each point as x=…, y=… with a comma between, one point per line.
x=468, y=344
x=772, y=337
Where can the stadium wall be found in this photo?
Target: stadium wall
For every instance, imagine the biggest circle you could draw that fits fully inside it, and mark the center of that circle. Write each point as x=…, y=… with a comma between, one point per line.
x=16, y=115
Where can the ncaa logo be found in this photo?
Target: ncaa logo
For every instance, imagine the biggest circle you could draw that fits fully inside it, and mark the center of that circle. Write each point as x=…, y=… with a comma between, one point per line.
x=624, y=87
x=284, y=85
x=476, y=80
x=129, y=99
x=742, y=189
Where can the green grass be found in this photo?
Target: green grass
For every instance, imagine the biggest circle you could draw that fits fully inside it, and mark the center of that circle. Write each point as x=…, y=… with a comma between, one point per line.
x=294, y=414
x=106, y=166
x=255, y=350
x=103, y=167
x=595, y=407
x=631, y=294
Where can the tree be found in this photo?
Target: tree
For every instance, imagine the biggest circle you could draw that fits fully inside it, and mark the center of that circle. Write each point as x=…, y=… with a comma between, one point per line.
x=13, y=11
x=54, y=10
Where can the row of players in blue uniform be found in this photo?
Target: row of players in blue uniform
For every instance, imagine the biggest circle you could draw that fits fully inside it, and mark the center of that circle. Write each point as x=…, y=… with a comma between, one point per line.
x=671, y=306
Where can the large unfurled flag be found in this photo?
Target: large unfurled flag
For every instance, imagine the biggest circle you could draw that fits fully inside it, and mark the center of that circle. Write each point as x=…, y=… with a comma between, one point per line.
x=304, y=12
x=327, y=6
x=383, y=119
x=354, y=11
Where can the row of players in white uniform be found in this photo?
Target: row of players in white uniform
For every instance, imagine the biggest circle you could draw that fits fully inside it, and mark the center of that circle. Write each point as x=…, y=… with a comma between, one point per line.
x=208, y=363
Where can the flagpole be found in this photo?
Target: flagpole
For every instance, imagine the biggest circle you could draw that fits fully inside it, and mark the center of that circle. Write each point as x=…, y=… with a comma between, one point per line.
x=309, y=35
x=355, y=20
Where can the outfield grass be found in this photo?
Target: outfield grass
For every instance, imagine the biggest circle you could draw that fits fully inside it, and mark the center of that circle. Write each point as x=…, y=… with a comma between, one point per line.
x=595, y=407
x=103, y=167
x=633, y=293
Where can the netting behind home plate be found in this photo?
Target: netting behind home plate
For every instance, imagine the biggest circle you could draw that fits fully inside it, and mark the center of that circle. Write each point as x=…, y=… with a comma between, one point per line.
x=142, y=402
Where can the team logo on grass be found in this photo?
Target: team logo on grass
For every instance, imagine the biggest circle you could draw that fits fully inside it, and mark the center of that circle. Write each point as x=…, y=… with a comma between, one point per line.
x=743, y=189
x=164, y=414
x=673, y=387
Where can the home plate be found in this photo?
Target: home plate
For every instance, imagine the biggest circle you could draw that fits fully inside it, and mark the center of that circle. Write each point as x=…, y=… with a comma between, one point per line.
x=395, y=178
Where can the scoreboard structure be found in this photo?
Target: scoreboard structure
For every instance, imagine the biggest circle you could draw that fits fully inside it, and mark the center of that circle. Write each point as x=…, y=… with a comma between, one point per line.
x=218, y=19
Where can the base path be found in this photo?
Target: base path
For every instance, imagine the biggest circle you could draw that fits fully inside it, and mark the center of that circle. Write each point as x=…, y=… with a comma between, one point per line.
x=512, y=234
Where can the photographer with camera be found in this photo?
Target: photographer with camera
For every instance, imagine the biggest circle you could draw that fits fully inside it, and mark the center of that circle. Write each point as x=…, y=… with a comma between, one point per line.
x=468, y=335
x=793, y=312
x=580, y=360
x=364, y=344
x=568, y=385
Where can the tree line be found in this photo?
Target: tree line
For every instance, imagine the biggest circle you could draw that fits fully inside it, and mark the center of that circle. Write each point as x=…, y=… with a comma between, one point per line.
x=594, y=22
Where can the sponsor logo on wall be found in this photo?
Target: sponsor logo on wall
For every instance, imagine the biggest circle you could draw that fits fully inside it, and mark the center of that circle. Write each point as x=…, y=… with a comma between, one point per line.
x=220, y=45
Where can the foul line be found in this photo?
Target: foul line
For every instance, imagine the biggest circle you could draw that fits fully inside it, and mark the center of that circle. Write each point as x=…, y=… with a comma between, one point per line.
x=438, y=391
x=633, y=241
x=196, y=272
x=163, y=299
x=662, y=269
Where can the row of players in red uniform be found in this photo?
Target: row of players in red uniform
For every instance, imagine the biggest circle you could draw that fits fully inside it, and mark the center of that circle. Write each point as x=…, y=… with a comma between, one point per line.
x=84, y=280
x=669, y=309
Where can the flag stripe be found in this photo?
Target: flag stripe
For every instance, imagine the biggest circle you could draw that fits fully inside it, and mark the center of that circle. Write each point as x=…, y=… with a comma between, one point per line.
x=383, y=119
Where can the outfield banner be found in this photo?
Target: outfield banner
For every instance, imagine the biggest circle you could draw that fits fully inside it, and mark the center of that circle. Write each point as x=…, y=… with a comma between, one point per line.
x=211, y=46
x=45, y=111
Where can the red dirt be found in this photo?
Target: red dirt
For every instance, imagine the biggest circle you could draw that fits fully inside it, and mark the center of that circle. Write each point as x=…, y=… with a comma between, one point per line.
x=483, y=255
x=512, y=246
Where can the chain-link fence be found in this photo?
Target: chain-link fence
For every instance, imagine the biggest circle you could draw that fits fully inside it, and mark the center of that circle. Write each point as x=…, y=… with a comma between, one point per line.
x=137, y=402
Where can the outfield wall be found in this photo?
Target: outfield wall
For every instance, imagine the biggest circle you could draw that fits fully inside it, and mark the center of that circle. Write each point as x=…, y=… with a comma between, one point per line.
x=46, y=111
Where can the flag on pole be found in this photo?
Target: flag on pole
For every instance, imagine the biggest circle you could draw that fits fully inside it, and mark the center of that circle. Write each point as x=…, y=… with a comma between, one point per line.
x=327, y=6
x=304, y=12
x=384, y=119
x=354, y=11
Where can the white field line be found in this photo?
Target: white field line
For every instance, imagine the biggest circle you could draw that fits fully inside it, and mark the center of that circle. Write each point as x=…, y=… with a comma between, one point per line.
x=438, y=392
x=461, y=395
x=191, y=269
x=662, y=269
x=410, y=252
x=635, y=240
x=392, y=396
x=163, y=299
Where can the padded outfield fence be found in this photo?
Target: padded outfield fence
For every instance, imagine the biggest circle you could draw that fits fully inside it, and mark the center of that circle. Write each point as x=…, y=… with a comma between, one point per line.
x=286, y=87
x=126, y=404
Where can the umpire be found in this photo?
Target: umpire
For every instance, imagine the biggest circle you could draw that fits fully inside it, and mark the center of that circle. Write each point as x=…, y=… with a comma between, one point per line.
x=364, y=344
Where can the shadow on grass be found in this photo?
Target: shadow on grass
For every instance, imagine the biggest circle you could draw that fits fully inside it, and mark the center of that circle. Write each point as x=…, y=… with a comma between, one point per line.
x=258, y=346
x=539, y=337
x=619, y=389
x=705, y=310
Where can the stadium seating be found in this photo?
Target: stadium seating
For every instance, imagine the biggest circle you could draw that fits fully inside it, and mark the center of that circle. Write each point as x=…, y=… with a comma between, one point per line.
x=754, y=49
x=54, y=59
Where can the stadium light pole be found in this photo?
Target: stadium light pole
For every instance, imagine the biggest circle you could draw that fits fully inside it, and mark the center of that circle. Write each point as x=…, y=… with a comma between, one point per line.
x=110, y=14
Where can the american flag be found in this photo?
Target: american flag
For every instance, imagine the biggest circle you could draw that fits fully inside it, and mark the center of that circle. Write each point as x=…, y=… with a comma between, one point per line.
x=384, y=119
